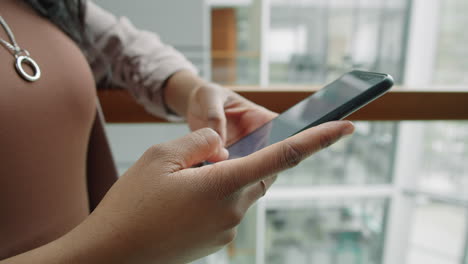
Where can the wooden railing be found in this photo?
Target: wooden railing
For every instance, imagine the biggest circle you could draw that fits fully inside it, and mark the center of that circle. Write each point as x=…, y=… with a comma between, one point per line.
x=398, y=104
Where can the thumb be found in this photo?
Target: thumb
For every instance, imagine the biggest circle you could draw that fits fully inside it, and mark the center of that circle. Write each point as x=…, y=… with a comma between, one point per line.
x=194, y=148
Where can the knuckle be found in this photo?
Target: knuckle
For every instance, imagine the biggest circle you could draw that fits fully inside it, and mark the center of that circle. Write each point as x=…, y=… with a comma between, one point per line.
x=158, y=150
x=212, y=182
x=228, y=236
x=234, y=218
x=166, y=155
x=221, y=184
x=214, y=117
x=326, y=139
x=292, y=155
x=206, y=136
x=272, y=179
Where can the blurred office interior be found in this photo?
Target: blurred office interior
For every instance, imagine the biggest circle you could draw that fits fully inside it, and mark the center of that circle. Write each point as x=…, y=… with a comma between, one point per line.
x=395, y=192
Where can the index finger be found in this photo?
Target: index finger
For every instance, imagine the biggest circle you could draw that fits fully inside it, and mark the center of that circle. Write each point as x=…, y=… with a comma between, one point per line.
x=213, y=101
x=239, y=173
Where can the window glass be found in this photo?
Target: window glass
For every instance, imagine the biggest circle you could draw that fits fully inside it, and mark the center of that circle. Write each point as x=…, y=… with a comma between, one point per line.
x=235, y=44
x=248, y=45
x=365, y=158
x=438, y=233
x=452, y=54
x=243, y=249
x=325, y=232
x=315, y=41
x=436, y=158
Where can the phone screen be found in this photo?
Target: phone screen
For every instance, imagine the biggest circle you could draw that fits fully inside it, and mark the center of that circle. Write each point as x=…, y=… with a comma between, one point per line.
x=333, y=102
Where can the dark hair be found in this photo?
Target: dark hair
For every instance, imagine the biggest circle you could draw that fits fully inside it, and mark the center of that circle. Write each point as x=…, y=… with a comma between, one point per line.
x=68, y=15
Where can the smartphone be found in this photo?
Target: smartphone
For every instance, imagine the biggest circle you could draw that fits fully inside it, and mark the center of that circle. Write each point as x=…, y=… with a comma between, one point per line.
x=335, y=101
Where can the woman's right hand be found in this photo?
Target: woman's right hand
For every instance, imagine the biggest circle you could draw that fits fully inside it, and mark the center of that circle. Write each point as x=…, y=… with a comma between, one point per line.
x=162, y=210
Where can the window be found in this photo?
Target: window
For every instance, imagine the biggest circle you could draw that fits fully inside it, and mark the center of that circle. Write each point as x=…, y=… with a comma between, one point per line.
x=451, y=63
x=346, y=231
x=314, y=41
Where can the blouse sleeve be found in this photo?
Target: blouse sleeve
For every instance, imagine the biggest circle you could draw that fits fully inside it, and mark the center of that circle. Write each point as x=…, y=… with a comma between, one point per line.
x=134, y=59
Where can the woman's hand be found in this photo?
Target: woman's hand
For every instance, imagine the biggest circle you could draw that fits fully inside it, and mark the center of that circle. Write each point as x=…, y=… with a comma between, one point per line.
x=206, y=104
x=229, y=114
x=164, y=211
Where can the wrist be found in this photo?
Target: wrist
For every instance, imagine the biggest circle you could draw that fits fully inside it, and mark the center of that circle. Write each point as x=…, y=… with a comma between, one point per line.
x=91, y=242
x=178, y=90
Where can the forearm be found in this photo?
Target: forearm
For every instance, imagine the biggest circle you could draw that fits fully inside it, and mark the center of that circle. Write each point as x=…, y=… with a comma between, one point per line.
x=43, y=254
x=178, y=89
x=88, y=243
x=52, y=253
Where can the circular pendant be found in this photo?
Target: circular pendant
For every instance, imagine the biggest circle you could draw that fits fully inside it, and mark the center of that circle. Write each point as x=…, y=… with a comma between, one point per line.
x=20, y=60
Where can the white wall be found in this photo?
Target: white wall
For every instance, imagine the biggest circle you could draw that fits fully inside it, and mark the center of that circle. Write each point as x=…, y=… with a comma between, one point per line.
x=180, y=23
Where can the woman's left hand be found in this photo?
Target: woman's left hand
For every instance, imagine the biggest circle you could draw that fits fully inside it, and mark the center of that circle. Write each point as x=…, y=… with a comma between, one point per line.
x=229, y=114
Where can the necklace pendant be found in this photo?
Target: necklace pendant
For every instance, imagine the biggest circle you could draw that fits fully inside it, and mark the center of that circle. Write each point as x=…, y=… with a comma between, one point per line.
x=22, y=56
x=26, y=59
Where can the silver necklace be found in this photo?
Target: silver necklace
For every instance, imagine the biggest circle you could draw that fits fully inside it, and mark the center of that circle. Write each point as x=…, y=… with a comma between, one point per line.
x=22, y=56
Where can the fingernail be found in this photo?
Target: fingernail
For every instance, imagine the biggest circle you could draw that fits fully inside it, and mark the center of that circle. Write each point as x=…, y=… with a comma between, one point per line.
x=225, y=153
x=349, y=129
x=220, y=139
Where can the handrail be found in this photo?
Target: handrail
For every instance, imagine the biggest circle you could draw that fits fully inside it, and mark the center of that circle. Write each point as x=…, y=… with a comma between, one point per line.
x=397, y=105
